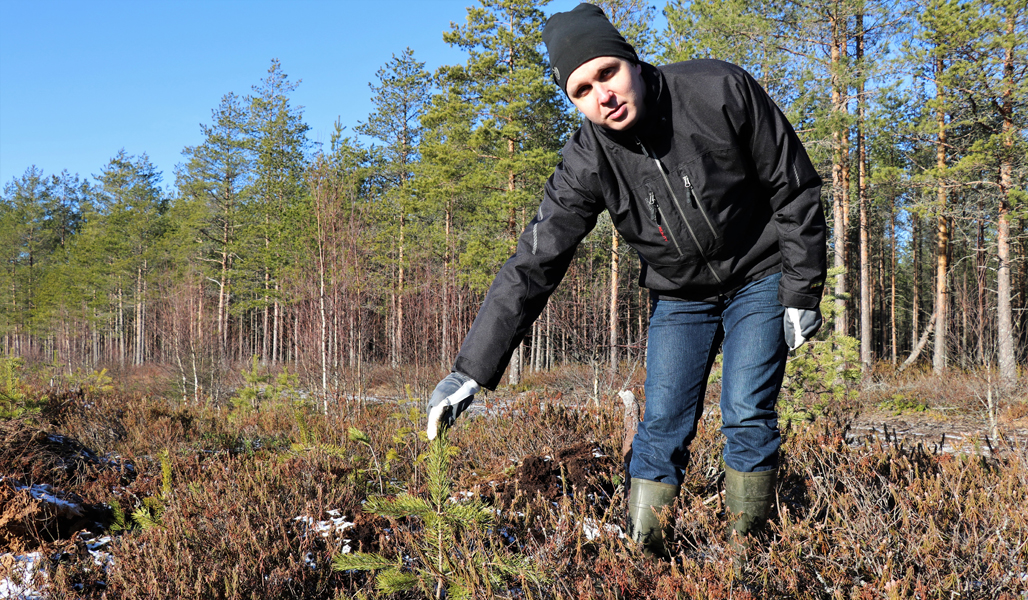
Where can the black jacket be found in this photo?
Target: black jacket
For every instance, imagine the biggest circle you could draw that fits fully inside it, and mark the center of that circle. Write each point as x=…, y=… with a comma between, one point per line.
x=712, y=188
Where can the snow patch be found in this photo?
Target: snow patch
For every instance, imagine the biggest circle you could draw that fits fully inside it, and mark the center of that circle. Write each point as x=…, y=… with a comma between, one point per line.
x=333, y=527
x=26, y=575
x=593, y=530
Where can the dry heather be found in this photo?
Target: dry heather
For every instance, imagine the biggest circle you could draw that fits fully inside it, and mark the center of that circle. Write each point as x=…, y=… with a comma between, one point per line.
x=232, y=501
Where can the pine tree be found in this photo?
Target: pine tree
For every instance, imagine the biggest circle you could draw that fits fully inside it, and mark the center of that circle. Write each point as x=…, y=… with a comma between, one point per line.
x=757, y=35
x=215, y=182
x=447, y=189
x=943, y=28
x=279, y=146
x=996, y=76
x=634, y=20
x=123, y=241
x=339, y=184
x=399, y=99
x=29, y=238
x=520, y=123
x=446, y=556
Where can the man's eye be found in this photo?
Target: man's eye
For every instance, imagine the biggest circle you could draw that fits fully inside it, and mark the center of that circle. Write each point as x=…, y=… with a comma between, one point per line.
x=582, y=91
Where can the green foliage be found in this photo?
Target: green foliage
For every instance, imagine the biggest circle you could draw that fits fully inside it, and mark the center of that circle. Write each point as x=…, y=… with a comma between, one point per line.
x=900, y=403
x=358, y=436
x=93, y=382
x=256, y=379
x=119, y=520
x=826, y=368
x=748, y=33
x=40, y=216
x=148, y=515
x=417, y=221
x=449, y=551
x=10, y=380
x=497, y=125
x=405, y=438
x=634, y=20
x=261, y=388
x=15, y=398
x=165, y=474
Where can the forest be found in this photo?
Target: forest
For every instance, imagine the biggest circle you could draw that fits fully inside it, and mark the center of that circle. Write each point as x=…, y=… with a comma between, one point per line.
x=377, y=248
x=213, y=381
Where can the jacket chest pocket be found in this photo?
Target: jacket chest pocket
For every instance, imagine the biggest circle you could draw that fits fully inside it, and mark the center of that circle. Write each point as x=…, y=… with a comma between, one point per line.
x=656, y=221
x=671, y=200
x=723, y=189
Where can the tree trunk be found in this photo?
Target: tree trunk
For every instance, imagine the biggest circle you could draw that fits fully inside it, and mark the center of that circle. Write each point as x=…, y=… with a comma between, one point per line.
x=549, y=339
x=915, y=303
x=265, y=324
x=981, y=269
x=446, y=357
x=613, y=329
x=941, y=247
x=137, y=354
x=838, y=183
x=865, y=259
x=399, y=297
x=1005, y=320
x=121, y=327
x=514, y=374
x=892, y=278
x=278, y=343
x=919, y=345
x=321, y=310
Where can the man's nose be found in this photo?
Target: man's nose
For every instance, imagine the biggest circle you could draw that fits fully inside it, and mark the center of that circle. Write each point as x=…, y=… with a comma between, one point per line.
x=604, y=94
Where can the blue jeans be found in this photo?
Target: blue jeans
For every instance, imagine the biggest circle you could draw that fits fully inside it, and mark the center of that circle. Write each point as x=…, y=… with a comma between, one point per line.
x=684, y=338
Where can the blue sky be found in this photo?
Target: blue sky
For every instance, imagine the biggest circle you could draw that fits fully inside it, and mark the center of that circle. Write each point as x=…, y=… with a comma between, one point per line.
x=80, y=80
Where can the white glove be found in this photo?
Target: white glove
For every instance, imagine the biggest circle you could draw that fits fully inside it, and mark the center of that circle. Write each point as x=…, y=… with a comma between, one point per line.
x=450, y=398
x=800, y=325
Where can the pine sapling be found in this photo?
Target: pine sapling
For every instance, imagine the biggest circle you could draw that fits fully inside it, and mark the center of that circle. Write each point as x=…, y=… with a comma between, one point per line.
x=451, y=554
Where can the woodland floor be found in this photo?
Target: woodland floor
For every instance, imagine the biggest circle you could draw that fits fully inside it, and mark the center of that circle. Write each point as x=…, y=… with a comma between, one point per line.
x=543, y=458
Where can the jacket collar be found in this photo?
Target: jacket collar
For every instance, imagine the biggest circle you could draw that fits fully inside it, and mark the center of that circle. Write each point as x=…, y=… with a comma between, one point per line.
x=654, y=127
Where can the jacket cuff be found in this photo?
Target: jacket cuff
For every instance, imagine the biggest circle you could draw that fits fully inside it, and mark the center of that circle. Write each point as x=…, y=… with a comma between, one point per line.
x=477, y=372
x=791, y=299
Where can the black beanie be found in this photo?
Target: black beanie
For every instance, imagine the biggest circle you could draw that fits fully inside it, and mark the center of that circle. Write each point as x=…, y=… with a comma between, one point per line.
x=575, y=37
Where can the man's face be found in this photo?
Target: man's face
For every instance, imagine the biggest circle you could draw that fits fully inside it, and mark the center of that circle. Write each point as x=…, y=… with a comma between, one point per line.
x=608, y=91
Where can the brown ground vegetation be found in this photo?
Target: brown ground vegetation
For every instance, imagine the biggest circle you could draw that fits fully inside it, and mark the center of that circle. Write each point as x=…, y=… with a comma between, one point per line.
x=862, y=512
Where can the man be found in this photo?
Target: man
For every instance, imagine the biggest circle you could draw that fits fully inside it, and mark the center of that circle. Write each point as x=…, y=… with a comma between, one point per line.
x=703, y=176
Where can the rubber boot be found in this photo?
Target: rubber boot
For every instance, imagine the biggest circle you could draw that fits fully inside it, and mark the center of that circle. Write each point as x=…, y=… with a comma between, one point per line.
x=645, y=502
x=749, y=498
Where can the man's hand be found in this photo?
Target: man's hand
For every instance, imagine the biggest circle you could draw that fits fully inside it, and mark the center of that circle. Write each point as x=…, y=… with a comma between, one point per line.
x=451, y=397
x=800, y=325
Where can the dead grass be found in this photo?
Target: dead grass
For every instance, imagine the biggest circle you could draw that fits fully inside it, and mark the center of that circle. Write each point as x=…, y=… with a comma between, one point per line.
x=858, y=517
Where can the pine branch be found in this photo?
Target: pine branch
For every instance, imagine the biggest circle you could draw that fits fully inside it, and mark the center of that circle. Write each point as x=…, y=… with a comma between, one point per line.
x=361, y=561
x=147, y=518
x=476, y=513
x=403, y=505
x=392, y=581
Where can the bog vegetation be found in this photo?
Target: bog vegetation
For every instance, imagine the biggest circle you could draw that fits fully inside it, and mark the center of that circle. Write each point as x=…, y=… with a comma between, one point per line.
x=279, y=499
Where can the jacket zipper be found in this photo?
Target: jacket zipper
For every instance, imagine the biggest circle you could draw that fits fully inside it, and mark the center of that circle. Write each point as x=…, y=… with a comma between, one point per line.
x=654, y=211
x=678, y=205
x=696, y=203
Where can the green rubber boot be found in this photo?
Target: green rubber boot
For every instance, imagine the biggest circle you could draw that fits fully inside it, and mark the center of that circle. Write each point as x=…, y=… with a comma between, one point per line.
x=749, y=498
x=646, y=500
